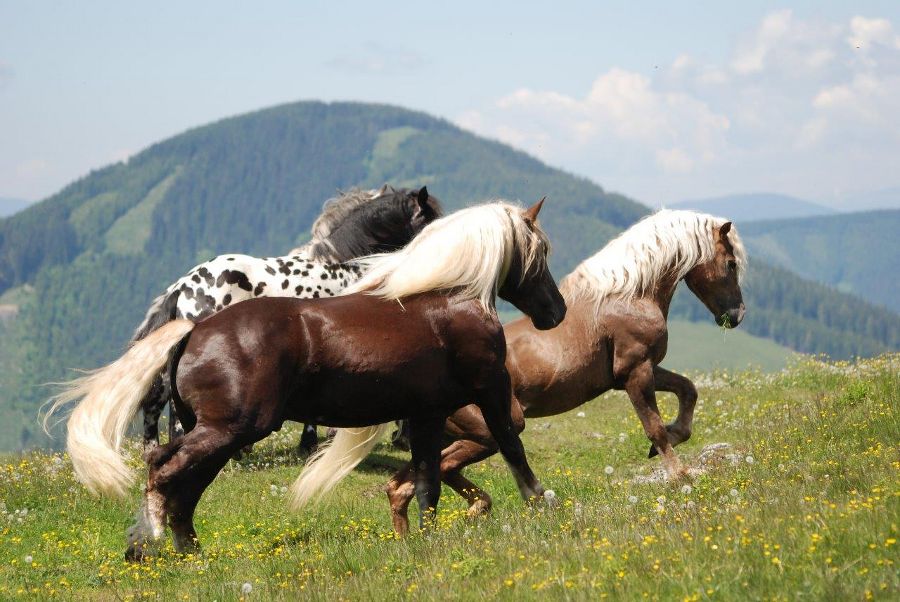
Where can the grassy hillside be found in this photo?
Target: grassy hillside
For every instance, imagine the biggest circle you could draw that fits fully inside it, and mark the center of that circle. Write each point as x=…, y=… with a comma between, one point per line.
x=695, y=346
x=94, y=255
x=804, y=315
x=856, y=253
x=804, y=504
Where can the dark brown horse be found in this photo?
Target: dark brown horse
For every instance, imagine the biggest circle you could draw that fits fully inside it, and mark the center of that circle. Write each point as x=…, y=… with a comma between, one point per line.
x=416, y=338
x=614, y=337
x=357, y=223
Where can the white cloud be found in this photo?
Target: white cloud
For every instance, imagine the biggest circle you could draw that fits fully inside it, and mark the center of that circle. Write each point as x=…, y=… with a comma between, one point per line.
x=375, y=58
x=796, y=108
x=751, y=56
x=866, y=33
x=621, y=106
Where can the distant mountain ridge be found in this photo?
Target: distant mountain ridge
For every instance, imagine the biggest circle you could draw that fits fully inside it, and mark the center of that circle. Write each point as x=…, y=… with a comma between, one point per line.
x=886, y=198
x=856, y=253
x=743, y=208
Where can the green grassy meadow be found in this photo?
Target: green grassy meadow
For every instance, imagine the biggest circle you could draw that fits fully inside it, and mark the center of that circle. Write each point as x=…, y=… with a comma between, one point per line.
x=804, y=504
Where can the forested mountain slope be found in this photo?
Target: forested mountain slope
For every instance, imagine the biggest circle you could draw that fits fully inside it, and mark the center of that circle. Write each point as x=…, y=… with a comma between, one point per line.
x=78, y=270
x=857, y=253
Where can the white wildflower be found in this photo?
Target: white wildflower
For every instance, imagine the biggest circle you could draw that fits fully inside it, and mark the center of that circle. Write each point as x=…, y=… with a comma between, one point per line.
x=609, y=470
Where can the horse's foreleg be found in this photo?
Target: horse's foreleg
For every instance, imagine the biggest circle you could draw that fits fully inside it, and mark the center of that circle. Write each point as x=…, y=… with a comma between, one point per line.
x=494, y=403
x=680, y=429
x=641, y=389
x=478, y=499
x=309, y=439
x=457, y=456
x=425, y=442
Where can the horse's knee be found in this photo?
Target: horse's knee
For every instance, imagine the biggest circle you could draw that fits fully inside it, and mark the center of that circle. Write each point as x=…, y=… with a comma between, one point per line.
x=657, y=433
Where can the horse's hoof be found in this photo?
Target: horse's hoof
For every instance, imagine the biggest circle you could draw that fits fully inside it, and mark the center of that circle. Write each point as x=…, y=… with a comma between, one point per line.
x=479, y=508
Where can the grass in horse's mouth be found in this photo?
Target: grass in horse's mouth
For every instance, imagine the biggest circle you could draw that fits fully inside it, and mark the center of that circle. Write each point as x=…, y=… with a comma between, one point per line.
x=725, y=324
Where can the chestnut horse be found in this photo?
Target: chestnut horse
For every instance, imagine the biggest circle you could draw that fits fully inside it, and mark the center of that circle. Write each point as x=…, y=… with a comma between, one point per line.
x=417, y=337
x=614, y=337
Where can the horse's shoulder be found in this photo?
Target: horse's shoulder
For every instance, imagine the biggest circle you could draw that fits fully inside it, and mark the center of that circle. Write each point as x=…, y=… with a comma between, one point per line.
x=633, y=327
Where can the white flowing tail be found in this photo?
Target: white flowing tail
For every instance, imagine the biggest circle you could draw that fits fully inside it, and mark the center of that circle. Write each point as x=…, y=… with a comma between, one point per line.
x=110, y=397
x=334, y=461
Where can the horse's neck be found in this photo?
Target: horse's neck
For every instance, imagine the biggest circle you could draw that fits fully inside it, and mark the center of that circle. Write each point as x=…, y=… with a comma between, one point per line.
x=663, y=293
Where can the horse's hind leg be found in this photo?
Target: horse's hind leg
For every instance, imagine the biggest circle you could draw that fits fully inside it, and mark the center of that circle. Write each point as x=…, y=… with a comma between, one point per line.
x=680, y=429
x=152, y=405
x=401, y=488
x=179, y=477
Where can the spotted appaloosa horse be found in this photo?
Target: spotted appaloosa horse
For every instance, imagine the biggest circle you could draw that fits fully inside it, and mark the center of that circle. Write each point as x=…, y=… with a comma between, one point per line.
x=415, y=338
x=360, y=222
x=614, y=337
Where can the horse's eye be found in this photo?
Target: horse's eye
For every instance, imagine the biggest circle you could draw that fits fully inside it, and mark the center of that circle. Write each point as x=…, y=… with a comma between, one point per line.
x=732, y=265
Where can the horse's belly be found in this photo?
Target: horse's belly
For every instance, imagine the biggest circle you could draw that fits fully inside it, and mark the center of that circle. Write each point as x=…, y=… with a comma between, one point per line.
x=366, y=399
x=564, y=393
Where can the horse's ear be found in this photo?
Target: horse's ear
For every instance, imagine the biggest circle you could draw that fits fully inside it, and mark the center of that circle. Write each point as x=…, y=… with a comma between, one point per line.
x=532, y=212
x=724, y=229
x=422, y=197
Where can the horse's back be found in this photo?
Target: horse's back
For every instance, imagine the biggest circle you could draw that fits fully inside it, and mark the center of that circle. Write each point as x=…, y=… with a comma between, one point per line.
x=318, y=359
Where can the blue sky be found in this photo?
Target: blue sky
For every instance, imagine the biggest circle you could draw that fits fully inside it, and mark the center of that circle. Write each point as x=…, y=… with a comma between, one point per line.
x=661, y=102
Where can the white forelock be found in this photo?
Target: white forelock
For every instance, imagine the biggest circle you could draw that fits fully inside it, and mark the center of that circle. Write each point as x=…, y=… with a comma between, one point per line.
x=468, y=251
x=666, y=243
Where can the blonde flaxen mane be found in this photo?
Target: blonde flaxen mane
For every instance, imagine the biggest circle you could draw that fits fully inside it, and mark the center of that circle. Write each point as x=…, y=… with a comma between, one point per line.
x=666, y=243
x=468, y=251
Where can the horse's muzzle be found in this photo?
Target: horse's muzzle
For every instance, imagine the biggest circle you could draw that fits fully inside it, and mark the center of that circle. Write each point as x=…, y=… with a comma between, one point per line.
x=732, y=317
